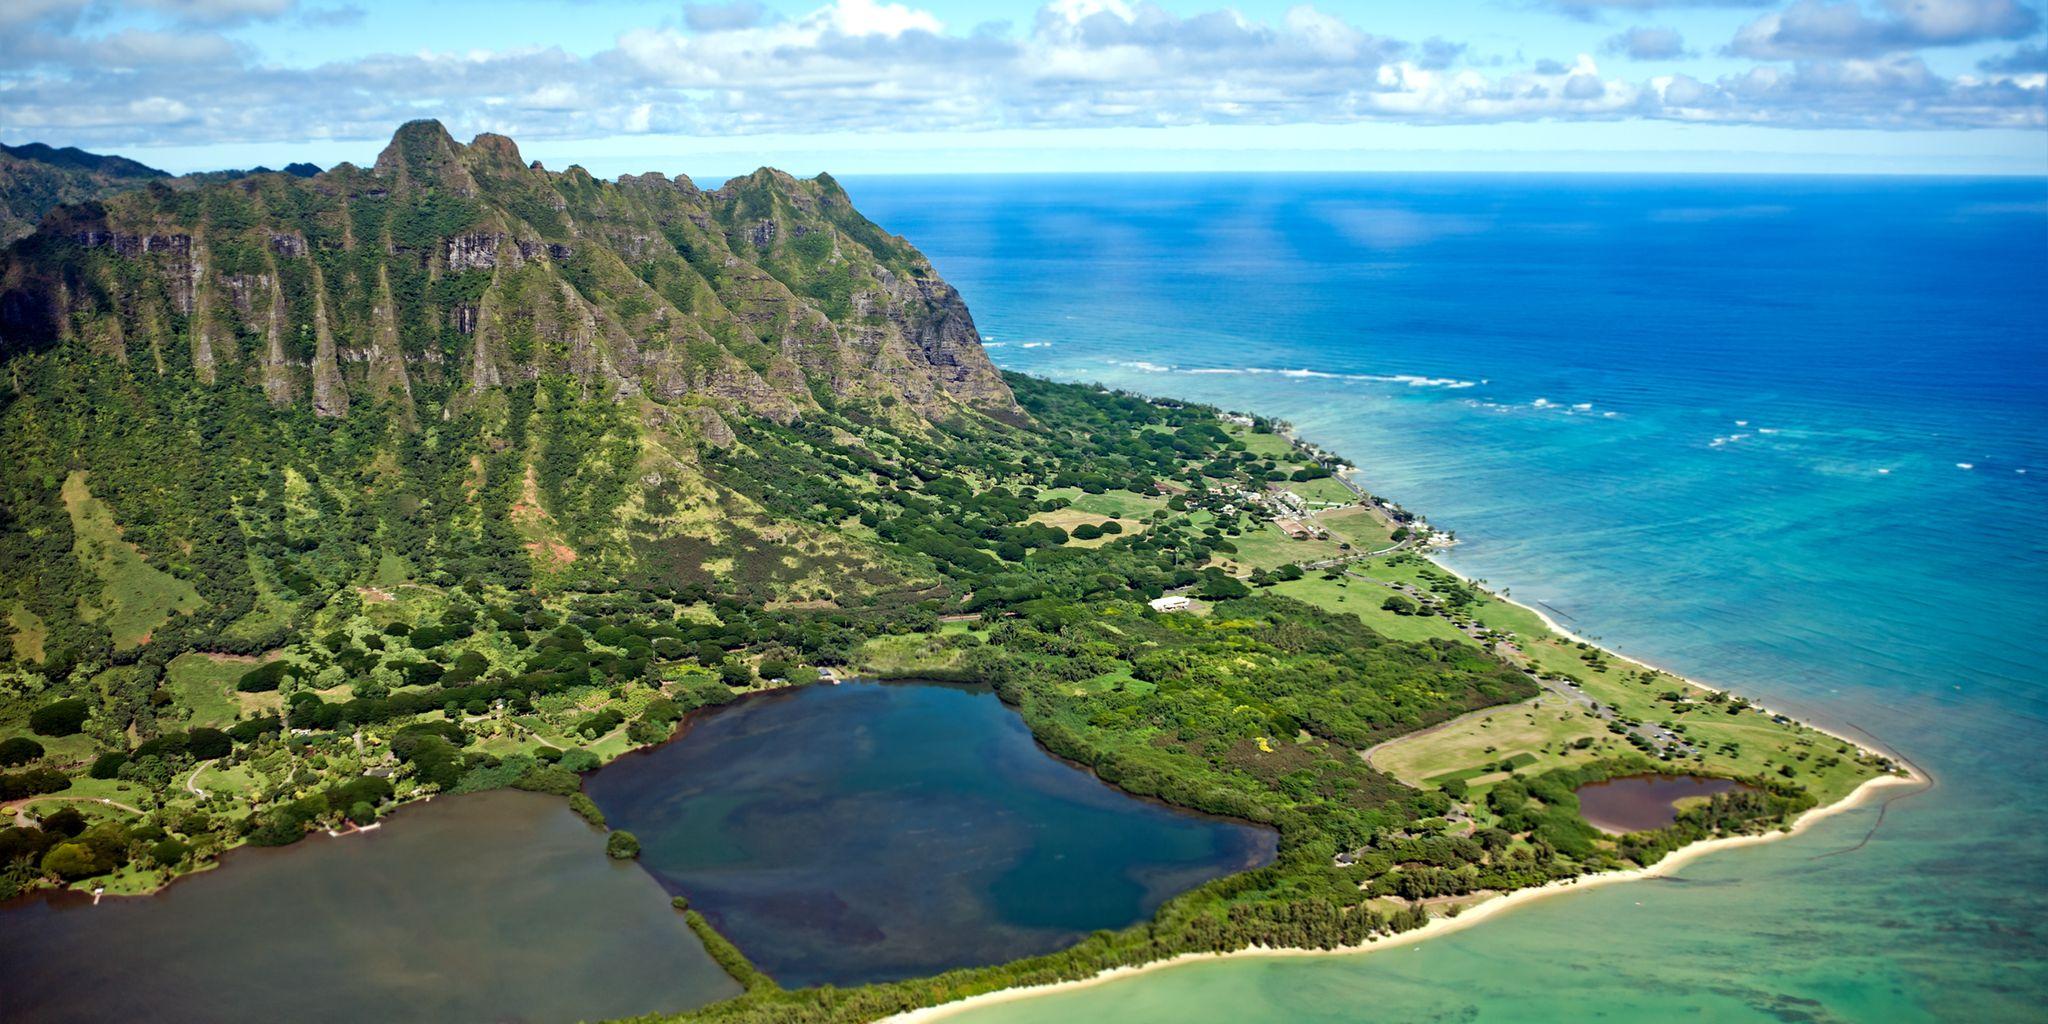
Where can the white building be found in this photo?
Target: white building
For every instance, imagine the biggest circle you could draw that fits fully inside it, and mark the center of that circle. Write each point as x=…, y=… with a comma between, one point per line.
x=1171, y=603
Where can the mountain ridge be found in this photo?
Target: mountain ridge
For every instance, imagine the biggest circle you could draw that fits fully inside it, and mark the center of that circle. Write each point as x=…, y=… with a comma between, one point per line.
x=466, y=266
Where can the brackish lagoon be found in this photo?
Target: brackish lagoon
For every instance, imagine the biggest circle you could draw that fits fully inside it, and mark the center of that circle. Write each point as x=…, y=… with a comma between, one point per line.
x=870, y=831
x=496, y=906
x=1634, y=803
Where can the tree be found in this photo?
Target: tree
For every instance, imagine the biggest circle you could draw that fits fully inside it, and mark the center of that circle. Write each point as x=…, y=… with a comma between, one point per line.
x=18, y=750
x=206, y=744
x=622, y=845
x=1398, y=605
x=60, y=718
x=108, y=766
x=72, y=861
x=168, y=852
x=1217, y=585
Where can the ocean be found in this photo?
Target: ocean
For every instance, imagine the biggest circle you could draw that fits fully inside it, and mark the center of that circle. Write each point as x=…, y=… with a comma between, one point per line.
x=1788, y=436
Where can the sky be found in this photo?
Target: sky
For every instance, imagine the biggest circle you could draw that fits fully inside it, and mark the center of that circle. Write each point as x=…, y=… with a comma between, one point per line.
x=947, y=86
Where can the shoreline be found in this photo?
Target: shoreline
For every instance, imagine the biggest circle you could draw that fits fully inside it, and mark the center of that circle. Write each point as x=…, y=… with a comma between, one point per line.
x=1437, y=926
x=1907, y=774
x=1554, y=626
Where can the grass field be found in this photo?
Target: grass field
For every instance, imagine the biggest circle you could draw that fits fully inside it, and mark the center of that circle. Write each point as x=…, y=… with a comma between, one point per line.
x=203, y=687
x=1068, y=518
x=1745, y=742
x=138, y=597
x=906, y=655
x=1119, y=504
x=26, y=631
x=1363, y=599
x=1325, y=489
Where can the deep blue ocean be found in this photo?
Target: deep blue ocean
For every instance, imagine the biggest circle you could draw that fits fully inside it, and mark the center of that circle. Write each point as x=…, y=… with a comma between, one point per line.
x=1786, y=435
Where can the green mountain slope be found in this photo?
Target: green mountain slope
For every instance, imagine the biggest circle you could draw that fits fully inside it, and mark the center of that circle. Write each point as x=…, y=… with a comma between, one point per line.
x=36, y=178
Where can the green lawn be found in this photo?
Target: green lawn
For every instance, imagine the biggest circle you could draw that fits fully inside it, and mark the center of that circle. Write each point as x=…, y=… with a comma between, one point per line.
x=1265, y=446
x=1323, y=489
x=1363, y=599
x=203, y=687
x=1118, y=504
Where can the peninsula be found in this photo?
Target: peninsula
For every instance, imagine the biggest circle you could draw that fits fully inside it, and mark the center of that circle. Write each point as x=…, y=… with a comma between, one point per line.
x=322, y=493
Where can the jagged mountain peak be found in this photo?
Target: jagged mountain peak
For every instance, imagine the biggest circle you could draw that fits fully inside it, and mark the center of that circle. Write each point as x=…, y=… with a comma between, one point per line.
x=447, y=271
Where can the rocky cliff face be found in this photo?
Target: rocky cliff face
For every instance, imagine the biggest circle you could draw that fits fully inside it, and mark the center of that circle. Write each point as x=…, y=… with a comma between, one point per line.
x=456, y=270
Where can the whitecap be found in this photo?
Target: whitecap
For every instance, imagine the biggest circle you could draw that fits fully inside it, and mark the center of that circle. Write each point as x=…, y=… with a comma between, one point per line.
x=1742, y=423
x=1036, y=344
x=1884, y=472
x=1966, y=465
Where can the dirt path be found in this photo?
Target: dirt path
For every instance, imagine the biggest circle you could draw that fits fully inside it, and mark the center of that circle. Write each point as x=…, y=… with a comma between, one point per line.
x=18, y=808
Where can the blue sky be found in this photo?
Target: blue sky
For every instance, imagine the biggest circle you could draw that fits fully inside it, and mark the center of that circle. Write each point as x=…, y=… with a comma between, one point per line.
x=874, y=86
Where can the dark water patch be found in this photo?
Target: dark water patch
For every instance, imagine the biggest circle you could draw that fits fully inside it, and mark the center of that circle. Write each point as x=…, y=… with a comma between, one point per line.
x=866, y=831
x=495, y=906
x=1634, y=803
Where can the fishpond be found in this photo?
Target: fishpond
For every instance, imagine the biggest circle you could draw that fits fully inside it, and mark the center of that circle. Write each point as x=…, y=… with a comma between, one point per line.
x=1633, y=803
x=497, y=906
x=870, y=831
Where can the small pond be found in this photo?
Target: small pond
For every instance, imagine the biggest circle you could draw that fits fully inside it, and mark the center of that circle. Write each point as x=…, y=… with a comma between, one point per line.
x=1634, y=803
x=495, y=906
x=866, y=832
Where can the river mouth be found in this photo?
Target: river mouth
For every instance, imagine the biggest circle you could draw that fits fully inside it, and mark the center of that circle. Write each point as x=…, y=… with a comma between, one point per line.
x=495, y=906
x=877, y=831
x=1638, y=803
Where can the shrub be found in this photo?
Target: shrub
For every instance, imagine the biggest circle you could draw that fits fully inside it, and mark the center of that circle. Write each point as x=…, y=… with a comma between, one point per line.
x=1398, y=605
x=205, y=744
x=622, y=845
x=108, y=766
x=18, y=750
x=263, y=678
x=60, y=718
x=587, y=808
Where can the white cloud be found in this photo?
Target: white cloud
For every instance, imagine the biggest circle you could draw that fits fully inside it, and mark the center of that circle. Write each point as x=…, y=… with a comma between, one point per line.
x=1648, y=43
x=876, y=65
x=1819, y=28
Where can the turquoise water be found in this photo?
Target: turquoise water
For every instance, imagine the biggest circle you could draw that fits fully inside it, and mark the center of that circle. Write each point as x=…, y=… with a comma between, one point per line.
x=1788, y=436
x=867, y=832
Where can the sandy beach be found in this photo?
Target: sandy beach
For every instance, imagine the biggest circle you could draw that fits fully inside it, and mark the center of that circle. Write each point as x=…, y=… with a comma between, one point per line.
x=1437, y=926
x=1487, y=908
